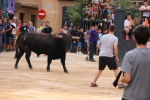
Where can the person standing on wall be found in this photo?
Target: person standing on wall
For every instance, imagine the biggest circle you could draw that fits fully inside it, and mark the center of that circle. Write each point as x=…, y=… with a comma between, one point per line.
x=145, y=8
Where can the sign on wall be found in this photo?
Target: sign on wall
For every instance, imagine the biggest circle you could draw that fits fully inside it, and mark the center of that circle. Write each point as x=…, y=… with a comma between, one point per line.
x=48, y=6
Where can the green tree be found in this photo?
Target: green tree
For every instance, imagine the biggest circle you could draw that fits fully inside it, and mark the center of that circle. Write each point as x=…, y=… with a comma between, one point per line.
x=75, y=11
x=123, y=3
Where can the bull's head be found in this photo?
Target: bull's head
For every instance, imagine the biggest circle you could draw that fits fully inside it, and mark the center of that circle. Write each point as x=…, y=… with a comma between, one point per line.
x=67, y=39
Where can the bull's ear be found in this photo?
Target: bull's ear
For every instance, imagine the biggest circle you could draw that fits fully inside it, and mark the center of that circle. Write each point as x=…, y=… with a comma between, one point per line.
x=59, y=36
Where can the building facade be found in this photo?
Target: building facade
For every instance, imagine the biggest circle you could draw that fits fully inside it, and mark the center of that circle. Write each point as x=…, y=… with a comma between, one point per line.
x=53, y=8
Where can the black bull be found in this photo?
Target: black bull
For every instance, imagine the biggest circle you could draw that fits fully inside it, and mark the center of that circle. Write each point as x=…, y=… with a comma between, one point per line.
x=54, y=46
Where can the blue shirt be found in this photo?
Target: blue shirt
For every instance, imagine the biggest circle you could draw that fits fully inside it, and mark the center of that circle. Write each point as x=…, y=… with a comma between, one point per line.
x=94, y=37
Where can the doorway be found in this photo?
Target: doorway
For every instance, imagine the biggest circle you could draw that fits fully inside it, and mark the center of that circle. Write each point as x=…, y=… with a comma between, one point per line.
x=22, y=17
x=33, y=19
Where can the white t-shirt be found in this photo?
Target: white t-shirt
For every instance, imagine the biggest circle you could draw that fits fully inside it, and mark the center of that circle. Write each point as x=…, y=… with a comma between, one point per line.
x=127, y=23
x=146, y=14
x=14, y=31
x=107, y=43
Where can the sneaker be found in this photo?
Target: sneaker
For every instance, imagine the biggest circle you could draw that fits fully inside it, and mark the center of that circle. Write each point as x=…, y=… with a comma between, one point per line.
x=86, y=58
x=77, y=52
x=80, y=53
x=121, y=85
x=92, y=60
x=94, y=85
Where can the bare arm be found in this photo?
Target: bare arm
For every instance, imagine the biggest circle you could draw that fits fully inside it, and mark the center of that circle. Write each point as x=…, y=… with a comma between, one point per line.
x=126, y=78
x=99, y=46
x=2, y=31
x=9, y=29
x=89, y=37
x=116, y=52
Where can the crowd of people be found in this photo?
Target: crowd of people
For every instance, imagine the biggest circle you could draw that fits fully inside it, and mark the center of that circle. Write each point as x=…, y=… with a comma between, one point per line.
x=97, y=9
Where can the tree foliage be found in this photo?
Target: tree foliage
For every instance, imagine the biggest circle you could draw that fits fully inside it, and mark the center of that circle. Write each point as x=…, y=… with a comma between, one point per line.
x=75, y=11
x=123, y=3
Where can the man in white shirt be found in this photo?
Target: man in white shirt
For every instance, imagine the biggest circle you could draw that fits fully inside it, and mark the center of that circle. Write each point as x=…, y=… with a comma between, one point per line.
x=128, y=23
x=146, y=8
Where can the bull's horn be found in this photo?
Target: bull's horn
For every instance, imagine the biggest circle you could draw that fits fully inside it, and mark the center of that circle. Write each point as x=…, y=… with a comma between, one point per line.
x=75, y=37
x=58, y=36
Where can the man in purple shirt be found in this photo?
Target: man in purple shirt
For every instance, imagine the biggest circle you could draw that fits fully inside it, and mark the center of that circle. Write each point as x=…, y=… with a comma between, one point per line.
x=92, y=40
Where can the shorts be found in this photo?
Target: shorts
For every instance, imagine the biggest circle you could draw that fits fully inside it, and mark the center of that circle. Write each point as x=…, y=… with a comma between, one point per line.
x=13, y=37
x=94, y=12
x=88, y=44
x=79, y=44
x=4, y=38
x=109, y=61
x=129, y=32
x=9, y=40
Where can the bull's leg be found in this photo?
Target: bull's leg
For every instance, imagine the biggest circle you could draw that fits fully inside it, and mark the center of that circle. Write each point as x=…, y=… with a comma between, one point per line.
x=19, y=55
x=28, y=54
x=63, y=63
x=49, y=60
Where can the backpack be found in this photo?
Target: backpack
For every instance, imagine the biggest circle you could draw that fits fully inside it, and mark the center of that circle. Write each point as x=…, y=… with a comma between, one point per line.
x=31, y=29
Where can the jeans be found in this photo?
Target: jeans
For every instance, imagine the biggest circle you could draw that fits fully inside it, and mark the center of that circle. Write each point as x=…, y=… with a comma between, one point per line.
x=0, y=43
x=73, y=47
x=92, y=48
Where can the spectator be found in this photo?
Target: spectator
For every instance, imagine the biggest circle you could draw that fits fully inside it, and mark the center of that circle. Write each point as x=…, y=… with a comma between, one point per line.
x=146, y=8
x=31, y=27
x=7, y=28
x=14, y=34
x=9, y=37
x=18, y=24
x=128, y=23
x=1, y=33
x=81, y=41
x=47, y=29
x=100, y=35
x=94, y=12
x=74, y=32
x=88, y=45
x=85, y=40
x=87, y=11
x=24, y=28
x=136, y=67
x=64, y=30
x=105, y=31
x=92, y=40
x=42, y=26
x=70, y=28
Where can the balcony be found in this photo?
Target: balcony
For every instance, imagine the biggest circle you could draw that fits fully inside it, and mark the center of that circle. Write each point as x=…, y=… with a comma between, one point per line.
x=29, y=3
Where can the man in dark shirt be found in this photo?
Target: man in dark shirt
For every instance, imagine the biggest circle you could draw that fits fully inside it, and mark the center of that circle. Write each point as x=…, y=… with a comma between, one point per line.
x=92, y=40
x=7, y=28
x=74, y=32
x=9, y=37
x=24, y=28
x=47, y=29
x=1, y=33
x=81, y=41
